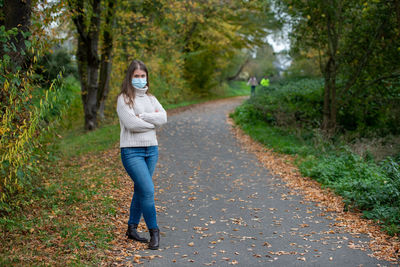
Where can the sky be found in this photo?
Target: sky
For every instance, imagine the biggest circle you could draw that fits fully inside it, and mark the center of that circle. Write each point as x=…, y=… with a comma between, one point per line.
x=280, y=42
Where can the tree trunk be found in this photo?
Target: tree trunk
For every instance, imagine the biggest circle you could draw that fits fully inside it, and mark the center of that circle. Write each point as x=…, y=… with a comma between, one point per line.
x=90, y=105
x=397, y=8
x=106, y=63
x=87, y=55
x=332, y=125
x=327, y=101
x=329, y=111
x=17, y=13
x=330, y=70
x=104, y=85
x=234, y=77
x=81, y=55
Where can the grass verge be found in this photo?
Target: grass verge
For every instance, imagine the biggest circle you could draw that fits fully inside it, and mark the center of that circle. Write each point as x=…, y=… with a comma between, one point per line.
x=67, y=222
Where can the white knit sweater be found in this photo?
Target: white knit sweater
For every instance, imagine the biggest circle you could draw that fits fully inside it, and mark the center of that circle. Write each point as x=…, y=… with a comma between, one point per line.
x=138, y=125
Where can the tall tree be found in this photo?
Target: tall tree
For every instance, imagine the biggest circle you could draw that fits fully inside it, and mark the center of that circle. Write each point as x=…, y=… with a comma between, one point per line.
x=216, y=31
x=88, y=17
x=356, y=40
x=106, y=59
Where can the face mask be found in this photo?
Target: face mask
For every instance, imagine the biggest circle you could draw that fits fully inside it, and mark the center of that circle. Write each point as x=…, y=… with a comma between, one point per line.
x=139, y=82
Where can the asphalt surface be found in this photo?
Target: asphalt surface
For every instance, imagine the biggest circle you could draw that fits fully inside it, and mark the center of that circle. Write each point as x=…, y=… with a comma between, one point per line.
x=217, y=206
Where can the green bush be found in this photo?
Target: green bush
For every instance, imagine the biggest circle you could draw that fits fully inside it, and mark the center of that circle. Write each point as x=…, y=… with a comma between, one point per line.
x=50, y=65
x=298, y=102
x=246, y=113
x=365, y=185
x=29, y=116
x=294, y=102
x=371, y=112
x=29, y=113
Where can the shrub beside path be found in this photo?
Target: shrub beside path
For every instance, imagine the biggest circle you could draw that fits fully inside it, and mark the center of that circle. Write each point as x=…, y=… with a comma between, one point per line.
x=219, y=206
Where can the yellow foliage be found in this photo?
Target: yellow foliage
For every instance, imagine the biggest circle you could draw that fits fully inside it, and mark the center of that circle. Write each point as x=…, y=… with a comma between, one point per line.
x=171, y=37
x=19, y=129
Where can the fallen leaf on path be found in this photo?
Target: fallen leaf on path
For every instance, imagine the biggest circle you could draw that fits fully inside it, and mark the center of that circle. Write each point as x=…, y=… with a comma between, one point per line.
x=266, y=244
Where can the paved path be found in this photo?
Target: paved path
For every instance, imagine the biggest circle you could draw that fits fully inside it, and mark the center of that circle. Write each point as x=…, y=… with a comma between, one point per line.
x=219, y=207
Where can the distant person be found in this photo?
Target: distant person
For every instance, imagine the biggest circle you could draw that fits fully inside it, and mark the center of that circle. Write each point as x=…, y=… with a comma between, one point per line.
x=265, y=81
x=140, y=114
x=253, y=83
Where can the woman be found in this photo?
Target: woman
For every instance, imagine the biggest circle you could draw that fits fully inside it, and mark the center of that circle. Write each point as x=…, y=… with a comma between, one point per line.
x=140, y=114
x=253, y=82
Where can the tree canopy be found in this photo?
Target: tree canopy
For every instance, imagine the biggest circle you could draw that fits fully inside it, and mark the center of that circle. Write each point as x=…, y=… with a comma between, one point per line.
x=357, y=44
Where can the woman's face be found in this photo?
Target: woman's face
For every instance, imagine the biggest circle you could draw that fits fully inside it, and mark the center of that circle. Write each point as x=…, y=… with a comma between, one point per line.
x=138, y=73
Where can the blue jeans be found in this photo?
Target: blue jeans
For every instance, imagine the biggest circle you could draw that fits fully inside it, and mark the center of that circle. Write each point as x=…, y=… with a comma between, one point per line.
x=139, y=163
x=253, y=90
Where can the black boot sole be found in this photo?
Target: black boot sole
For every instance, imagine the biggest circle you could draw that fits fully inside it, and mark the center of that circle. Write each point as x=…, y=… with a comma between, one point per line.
x=141, y=241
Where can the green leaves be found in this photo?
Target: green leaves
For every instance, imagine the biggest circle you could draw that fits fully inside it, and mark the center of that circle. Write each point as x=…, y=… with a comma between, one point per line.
x=200, y=37
x=6, y=58
x=364, y=184
x=355, y=44
x=27, y=44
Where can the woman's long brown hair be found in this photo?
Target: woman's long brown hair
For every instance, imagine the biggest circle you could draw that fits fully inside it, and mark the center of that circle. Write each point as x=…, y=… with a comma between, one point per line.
x=127, y=89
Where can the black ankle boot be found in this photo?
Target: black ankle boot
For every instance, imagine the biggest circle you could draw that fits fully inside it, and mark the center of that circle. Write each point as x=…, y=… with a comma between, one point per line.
x=133, y=234
x=154, y=238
